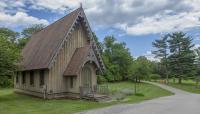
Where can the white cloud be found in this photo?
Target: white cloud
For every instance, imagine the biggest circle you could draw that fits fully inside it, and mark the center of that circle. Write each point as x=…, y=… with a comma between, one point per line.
x=20, y=19
x=151, y=56
x=59, y=6
x=196, y=46
x=134, y=17
x=164, y=23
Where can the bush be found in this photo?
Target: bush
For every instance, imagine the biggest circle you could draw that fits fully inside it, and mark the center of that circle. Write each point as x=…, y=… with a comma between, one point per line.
x=101, y=79
x=6, y=81
x=154, y=76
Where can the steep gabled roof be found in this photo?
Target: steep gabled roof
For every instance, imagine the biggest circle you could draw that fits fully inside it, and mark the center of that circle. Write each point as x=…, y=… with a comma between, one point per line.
x=42, y=46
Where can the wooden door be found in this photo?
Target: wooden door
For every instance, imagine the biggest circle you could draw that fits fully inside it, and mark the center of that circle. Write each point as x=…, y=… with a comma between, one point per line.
x=86, y=77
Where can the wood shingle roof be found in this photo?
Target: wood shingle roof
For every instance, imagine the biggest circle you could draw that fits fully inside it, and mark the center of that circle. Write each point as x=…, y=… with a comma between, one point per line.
x=42, y=46
x=78, y=58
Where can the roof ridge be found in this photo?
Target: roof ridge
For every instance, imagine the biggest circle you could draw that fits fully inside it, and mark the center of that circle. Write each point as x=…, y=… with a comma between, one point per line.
x=57, y=20
x=41, y=48
x=77, y=10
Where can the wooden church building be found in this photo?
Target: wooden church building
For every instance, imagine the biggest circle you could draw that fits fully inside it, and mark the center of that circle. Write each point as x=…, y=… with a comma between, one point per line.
x=61, y=60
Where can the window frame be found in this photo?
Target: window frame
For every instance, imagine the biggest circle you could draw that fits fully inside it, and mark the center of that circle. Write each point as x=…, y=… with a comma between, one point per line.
x=31, y=79
x=71, y=82
x=42, y=78
x=23, y=77
x=17, y=78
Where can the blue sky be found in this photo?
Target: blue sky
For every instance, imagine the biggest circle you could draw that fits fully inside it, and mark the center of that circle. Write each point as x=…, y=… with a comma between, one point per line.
x=136, y=22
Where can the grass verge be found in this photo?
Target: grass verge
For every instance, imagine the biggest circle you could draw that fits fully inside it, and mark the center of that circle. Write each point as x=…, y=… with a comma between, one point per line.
x=187, y=85
x=11, y=103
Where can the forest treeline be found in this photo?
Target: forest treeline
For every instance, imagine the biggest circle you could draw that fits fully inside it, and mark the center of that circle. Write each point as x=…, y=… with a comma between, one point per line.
x=176, y=53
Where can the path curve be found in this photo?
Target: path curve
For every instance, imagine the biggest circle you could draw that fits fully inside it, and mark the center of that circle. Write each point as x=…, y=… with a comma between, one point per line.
x=180, y=103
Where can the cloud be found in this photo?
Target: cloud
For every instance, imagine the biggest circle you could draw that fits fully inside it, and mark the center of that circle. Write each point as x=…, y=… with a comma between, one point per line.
x=54, y=5
x=20, y=19
x=151, y=56
x=196, y=46
x=163, y=23
x=133, y=17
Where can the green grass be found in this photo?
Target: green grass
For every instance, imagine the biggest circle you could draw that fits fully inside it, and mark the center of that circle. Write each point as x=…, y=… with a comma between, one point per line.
x=146, y=91
x=187, y=85
x=11, y=103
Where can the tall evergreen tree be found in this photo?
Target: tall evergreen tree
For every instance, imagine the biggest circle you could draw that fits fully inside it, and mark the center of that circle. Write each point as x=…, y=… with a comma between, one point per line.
x=197, y=63
x=182, y=57
x=162, y=52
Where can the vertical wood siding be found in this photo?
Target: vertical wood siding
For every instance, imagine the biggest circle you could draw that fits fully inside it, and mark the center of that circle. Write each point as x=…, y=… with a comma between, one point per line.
x=59, y=83
x=36, y=86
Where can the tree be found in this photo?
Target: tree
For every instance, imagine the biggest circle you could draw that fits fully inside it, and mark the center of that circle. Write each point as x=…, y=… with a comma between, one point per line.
x=9, y=56
x=117, y=59
x=99, y=44
x=28, y=32
x=141, y=68
x=181, y=59
x=197, y=63
x=9, y=34
x=162, y=52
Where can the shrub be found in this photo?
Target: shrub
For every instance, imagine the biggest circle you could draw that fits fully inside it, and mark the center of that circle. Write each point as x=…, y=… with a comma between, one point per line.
x=101, y=79
x=6, y=81
x=154, y=76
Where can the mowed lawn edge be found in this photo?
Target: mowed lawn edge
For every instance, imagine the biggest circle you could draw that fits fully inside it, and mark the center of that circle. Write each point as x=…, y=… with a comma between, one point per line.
x=11, y=103
x=187, y=85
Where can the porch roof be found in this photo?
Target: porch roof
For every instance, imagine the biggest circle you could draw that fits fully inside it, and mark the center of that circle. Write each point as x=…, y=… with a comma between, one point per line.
x=77, y=60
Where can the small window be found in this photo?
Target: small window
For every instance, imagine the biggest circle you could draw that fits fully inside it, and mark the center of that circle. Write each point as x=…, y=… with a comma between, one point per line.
x=23, y=77
x=31, y=78
x=41, y=77
x=17, y=77
x=71, y=82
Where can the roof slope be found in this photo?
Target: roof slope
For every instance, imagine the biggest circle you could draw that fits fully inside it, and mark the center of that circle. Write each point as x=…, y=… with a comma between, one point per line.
x=76, y=61
x=42, y=46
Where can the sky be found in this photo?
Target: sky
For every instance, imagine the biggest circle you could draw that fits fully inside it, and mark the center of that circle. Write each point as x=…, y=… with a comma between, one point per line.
x=136, y=22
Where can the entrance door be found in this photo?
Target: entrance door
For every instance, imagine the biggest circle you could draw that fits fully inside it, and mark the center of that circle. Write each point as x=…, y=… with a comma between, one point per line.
x=86, y=77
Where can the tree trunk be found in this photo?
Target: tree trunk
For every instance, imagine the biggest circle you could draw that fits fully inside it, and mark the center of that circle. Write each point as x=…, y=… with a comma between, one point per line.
x=180, y=80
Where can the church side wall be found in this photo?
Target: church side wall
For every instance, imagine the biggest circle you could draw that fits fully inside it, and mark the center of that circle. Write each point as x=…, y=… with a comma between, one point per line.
x=35, y=89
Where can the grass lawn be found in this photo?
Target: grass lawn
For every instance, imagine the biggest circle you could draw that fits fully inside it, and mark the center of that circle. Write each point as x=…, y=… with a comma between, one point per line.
x=11, y=103
x=187, y=85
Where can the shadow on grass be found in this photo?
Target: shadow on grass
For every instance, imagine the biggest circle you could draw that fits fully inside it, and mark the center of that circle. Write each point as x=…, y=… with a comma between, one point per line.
x=139, y=94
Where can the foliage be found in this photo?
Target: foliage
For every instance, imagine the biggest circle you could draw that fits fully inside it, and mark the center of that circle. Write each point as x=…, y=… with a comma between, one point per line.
x=28, y=32
x=154, y=76
x=9, y=34
x=101, y=79
x=141, y=68
x=9, y=56
x=161, y=52
x=177, y=56
x=197, y=62
x=117, y=59
x=181, y=59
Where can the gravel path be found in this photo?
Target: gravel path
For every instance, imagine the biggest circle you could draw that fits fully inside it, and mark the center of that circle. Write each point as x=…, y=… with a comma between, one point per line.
x=180, y=103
